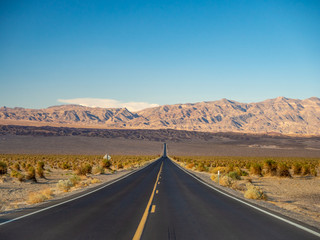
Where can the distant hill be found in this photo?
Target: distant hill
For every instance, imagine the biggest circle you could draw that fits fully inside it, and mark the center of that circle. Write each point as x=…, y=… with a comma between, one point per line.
x=273, y=116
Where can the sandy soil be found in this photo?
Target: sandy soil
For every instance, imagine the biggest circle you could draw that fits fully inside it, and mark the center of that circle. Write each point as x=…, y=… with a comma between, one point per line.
x=298, y=194
x=297, y=197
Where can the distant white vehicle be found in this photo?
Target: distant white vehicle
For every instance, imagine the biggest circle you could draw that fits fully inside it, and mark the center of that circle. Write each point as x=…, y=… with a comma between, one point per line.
x=108, y=157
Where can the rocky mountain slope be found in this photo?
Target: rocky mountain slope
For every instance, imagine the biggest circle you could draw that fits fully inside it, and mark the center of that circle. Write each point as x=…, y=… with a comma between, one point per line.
x=279, y=115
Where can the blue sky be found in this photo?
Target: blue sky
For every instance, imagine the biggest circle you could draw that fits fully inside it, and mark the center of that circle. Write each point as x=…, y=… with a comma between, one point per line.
x=157, y=52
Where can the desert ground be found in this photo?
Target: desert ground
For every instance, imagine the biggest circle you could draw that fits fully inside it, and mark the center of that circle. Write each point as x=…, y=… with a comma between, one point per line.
x=61, y=140
x=220, y=146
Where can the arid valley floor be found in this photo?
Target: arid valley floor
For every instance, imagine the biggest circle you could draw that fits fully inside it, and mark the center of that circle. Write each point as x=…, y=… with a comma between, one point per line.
x=52, y=140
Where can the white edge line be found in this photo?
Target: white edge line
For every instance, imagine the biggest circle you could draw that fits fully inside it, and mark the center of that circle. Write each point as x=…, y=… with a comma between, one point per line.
x=250, y=205
x=95, y=190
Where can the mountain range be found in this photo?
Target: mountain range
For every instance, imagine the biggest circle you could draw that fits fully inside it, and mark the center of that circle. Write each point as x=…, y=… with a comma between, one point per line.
x=274, y=116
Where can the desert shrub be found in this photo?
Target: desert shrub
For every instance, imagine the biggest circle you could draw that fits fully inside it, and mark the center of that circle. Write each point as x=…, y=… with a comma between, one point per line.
x=37, y=197
x=313, y=171
x=254, y=192
x=253, y=165
x=31, y=174
x=3, y=168
x=229, y=168
x=40, y=165
x=244, y=173
x=64, y=185
x=296, y=167
x=16, y=166
x=17, y=175
x=225, y=181
x=128, y=166
x=238, y=186
x=40, y=172
x=88, y=168
x=74, y=179
x=40, y=169
x=248, y=164
x=105, y=163
x=98, y=170
x=27, y=166
x=119, y=165
x=240, y=172
x=14, y=173
x=283, y=170
x=305, y=170
x=74, y=167
x=216, y=169
x=65, y=165
x=190, y=165
x=20, y=162
x=214, y=177
x=234, y=175
x=84, y=169
x=237, y=170
x=255, y=169
x=200, y=167
x=47, y=192
x=270, y=167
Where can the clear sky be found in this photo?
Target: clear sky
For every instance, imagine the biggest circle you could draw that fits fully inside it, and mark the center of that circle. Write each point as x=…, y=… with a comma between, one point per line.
x=157, y=52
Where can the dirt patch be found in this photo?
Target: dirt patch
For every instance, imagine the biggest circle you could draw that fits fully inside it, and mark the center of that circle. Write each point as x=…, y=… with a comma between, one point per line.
x=298, y=194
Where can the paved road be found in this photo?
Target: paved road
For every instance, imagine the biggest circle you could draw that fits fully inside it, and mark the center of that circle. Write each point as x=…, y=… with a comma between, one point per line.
x=183, y=209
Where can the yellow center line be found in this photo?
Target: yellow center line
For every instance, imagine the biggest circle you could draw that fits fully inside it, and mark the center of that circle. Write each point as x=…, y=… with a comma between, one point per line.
x=143, y=221
x=153, y=208
x=157, y=191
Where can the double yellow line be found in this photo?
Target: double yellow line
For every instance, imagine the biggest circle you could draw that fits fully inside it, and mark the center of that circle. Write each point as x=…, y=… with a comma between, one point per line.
x=143, y=221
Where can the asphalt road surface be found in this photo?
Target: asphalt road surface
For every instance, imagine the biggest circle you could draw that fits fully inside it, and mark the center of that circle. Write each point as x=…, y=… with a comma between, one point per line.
x=182, y=208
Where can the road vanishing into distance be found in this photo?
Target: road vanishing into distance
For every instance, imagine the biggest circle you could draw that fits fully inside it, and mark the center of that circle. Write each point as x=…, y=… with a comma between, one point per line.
x=160, y=201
